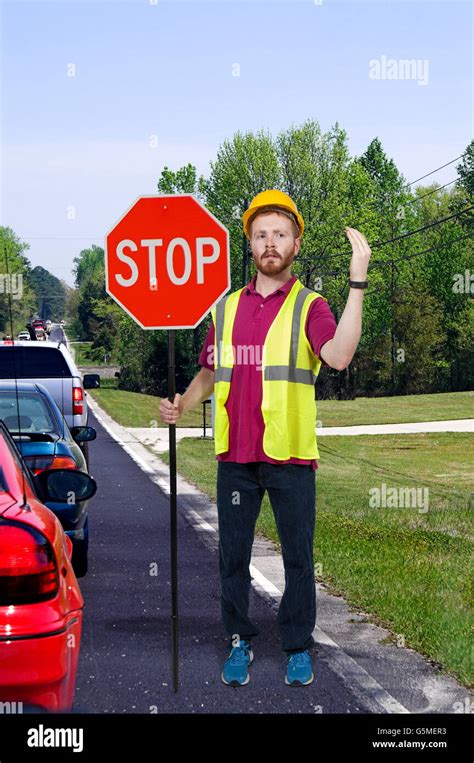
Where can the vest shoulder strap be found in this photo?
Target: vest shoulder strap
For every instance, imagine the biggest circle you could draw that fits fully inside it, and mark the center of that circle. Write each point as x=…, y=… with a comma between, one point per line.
x=304, y=291
x=218, y=318
x=218, y=310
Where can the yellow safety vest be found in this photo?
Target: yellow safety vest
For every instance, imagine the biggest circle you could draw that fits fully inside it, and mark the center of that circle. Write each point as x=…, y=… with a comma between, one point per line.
x=289, y=371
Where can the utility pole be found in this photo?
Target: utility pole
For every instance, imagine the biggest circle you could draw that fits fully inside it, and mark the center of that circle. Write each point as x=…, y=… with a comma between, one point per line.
x=245, y=253
x=392, y=293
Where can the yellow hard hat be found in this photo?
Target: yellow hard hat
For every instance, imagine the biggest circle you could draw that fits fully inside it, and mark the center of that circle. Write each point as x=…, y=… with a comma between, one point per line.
x=273, y=200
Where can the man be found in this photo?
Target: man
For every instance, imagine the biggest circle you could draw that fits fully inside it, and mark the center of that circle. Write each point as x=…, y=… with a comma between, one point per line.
x=261, y=358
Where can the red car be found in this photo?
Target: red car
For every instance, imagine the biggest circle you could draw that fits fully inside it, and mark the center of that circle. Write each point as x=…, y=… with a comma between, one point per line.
x=40, y=599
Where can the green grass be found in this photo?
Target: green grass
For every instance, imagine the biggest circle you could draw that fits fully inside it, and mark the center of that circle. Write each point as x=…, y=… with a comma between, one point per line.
x=392, y=410
x=132, y=409
x=84, y=355
x=81, y=352
x=410, y=570
x=108, y=382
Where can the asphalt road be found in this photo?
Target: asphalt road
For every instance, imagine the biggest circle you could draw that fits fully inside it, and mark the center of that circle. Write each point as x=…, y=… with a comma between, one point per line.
x=125, y=655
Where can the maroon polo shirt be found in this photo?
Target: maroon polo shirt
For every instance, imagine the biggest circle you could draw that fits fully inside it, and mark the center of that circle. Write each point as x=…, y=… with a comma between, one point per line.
x=253, y=318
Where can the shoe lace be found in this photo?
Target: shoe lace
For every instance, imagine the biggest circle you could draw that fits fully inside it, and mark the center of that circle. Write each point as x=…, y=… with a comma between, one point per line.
x=239, y=654
x=300, y=658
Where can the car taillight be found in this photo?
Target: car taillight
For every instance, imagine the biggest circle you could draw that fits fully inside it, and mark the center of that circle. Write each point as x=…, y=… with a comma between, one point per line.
x=28, y=570
x=38, y=464
x=77, y=398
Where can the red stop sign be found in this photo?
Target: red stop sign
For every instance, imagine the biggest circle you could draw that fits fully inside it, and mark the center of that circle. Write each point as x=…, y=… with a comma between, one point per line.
x=167, y=261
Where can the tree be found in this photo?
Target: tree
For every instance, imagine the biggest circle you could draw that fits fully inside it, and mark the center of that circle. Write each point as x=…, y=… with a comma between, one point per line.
x=89, y=264
x=411, y=306
x=50, y=292
x=89, y=274
x=244, y=166
x=419, y=333
x=18, y=300
x=183, y=180
x=465, y=187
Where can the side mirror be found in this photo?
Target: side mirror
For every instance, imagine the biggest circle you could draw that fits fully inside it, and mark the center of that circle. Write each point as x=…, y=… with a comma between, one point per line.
x=65, y=486
x=83, y=434
x=91, y=381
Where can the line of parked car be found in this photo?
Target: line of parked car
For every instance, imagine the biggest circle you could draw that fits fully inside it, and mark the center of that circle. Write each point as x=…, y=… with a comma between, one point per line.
x=45, y=487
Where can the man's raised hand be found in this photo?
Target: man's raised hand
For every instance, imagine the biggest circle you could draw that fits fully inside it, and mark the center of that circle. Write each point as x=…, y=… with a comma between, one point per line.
x=361, y=253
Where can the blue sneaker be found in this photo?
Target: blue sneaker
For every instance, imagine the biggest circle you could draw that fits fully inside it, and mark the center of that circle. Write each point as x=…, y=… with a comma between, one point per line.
x=300, y=669
x=236, y=672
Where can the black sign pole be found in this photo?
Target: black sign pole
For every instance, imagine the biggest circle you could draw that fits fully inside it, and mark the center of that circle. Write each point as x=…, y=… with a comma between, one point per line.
x=173, y=512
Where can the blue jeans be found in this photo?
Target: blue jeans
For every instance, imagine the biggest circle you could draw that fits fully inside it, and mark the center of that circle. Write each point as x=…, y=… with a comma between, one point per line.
x=292, y=493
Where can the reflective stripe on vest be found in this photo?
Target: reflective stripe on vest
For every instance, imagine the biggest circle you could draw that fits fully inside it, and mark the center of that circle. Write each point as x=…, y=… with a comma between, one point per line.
x=288, y=402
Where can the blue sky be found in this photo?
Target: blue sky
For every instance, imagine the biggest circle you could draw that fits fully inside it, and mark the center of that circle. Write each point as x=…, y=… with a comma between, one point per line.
x=77, y=150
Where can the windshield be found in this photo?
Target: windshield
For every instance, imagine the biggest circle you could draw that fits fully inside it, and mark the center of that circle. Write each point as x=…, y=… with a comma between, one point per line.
x=35, y=415
x=3, y=483
x=14, y=453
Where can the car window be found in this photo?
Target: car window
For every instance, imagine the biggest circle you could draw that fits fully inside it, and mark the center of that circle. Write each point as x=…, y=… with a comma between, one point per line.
x=32, y=363
x=17, y=459
x=56, y=335
x=35, y=415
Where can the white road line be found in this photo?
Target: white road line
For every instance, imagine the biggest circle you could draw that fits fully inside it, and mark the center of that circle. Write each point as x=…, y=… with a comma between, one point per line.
x=266, y=584
x=352, y=674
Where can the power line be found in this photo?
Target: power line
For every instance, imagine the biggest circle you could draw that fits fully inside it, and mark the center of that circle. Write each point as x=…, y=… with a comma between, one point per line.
x=437, y=169
x=411, y=257
x=62, y=238
x=429, y=193
x=417, y=254
x=378, y=244
x=410, y=201
x=407, y=201
x=424, y=227
x=387, y=263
